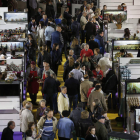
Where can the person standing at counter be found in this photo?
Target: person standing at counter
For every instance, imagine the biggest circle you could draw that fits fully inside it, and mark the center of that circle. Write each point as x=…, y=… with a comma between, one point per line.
x=33, y=86
x=7, y=133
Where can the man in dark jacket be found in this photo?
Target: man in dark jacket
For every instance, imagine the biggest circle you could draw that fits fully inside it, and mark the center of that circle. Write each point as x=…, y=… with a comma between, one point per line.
x=67, y=16
x=38, y=15
x=101, y=131
x=99, y=39
x=73, y=90
x=75, y=115
x=75, y=28
x=7, y=133
x=83, y=6
x=49, y=89
x=83, y=124
x=110, y=83
x=92, y=44
x=57, y=38
x=90, y=29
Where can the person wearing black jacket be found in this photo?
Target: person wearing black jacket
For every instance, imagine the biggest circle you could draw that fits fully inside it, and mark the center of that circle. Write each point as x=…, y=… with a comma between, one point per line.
x=91, y=134
x=110, y=86
x=7, y=133
x=69, y=68
x=43, y=55
x=32, y=51
x=75, y=115
x=83, y=124
x=67, y=16
x=92, y=44
x=32, y=27
x=50, y=10
x=73, y=90
x=49, y=89
x=75, y=28
x=90, y=29
x=56, y=58
x=83, y=6
x=38, y=16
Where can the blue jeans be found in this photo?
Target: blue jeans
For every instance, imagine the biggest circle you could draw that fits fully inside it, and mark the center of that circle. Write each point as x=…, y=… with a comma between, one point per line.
x=84, y=105
x=73, y=99
x=48, y=138
x=55, y=107
x=52, y=100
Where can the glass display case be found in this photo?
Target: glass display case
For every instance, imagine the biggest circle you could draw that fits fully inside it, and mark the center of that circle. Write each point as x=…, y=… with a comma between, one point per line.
x=17, y=46
x=131, y=46
x=15, y=17
x=109, y=15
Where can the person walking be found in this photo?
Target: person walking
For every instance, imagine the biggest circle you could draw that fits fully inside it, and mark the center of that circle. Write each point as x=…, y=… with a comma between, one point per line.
x=27, y=117
x=33, y=86
x=49, y=89
x=7, y=133
x=65, y=127
x=63, y=100
x=73, y=90
x=49, y=126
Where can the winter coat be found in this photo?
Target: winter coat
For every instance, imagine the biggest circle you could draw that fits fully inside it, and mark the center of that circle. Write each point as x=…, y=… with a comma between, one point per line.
x=27, y=117
x=97, y=95
x=84, y=87
x=101, y=131
x=63, y=103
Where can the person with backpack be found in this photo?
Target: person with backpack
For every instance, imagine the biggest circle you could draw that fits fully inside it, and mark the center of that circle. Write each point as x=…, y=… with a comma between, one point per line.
x=83, y=124
x=48, y=124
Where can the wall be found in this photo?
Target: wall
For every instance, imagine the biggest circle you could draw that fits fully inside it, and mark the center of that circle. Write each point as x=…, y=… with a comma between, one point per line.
x=133, y=14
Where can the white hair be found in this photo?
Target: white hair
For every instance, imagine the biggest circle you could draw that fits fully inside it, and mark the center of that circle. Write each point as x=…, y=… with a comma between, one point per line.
x=82, y=46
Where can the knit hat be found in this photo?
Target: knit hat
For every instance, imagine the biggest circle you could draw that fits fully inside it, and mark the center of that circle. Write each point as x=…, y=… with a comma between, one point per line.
x=101, y=117
x=33, y=62
x=65, y=113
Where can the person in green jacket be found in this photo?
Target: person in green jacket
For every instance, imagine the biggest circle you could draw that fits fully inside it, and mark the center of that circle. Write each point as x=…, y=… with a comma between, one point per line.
x=101, y=131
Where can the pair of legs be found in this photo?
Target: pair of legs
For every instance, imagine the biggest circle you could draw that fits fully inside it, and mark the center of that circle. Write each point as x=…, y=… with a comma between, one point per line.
x=33, y=97
x=52, y=100
x=84, y=105
x=73, y=99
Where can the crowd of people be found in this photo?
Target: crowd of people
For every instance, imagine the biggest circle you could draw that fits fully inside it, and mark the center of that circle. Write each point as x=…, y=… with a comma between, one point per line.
x=88, y=77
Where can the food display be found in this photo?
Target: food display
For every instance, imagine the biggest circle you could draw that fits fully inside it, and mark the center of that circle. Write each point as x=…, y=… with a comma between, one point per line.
x=126, y=44
x=133, y=101
x=14, y=67
x=111, y=14
x=133, y=88
x=15, y=17
x=116, y=57
x=134, y=61
x=10, y=77
x=17, y=46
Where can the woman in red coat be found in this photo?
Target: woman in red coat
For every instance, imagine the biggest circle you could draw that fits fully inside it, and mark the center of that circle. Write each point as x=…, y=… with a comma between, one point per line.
x=98, y=73
x=86, y=52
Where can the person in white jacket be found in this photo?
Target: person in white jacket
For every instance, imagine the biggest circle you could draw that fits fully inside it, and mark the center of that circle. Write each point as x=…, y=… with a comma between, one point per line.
x=105, y=63
x=63, y=100
x=40, y=34
x=27, y=117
